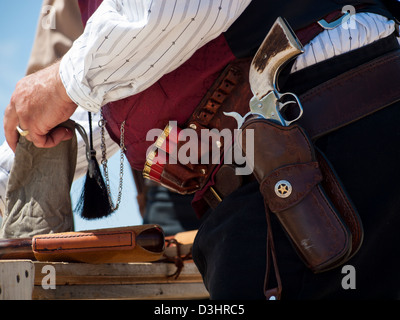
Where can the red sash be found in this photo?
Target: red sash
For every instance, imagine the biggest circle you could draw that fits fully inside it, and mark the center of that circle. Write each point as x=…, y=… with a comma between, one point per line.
x=173, y=98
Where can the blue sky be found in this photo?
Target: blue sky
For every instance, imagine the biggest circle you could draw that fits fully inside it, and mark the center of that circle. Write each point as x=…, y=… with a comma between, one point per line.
x=18, y=27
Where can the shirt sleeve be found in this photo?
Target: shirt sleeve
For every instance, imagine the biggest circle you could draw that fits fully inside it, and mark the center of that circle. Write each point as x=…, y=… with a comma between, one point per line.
x=129, y=45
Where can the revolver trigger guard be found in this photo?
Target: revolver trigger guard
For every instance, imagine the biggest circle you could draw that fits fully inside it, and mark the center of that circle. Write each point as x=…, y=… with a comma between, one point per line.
x=295, y=101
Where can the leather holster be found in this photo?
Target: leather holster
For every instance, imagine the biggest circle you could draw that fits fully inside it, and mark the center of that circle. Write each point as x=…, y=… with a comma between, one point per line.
x=324, y=230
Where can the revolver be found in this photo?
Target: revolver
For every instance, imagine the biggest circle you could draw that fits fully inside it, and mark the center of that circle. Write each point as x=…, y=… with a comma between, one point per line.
x=280, y=46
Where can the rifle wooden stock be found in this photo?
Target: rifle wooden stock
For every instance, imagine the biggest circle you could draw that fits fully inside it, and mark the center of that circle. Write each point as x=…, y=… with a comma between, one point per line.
x=117, y=245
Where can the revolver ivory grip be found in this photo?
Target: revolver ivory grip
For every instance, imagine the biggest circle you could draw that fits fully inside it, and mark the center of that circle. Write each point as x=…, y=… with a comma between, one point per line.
x=278, y=48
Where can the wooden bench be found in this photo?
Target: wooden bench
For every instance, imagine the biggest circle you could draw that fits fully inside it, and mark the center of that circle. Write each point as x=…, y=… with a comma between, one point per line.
x=26, y=280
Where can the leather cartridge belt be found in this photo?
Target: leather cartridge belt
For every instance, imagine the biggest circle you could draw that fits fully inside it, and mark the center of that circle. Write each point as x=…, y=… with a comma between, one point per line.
x=329, y=106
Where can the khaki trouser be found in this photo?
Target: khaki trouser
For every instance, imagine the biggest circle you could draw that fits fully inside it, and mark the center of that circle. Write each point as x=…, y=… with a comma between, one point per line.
x=38, y=192
x=51, y=44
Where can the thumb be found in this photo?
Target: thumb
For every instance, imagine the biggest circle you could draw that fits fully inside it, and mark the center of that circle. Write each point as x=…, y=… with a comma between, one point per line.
x=59, y=135
x=54, y=138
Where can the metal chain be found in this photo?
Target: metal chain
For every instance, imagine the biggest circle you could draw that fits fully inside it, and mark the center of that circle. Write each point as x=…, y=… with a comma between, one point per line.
x=104, y=162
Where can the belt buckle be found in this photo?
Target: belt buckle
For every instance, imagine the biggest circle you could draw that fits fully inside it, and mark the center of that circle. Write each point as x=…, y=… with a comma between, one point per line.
x=216, y=195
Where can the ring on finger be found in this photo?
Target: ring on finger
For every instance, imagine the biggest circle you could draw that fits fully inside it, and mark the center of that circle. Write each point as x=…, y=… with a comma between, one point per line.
x=22, y=132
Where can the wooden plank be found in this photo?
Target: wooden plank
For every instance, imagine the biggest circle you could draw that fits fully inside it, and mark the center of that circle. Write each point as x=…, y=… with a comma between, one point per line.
x=130, y=273
x=131, y=281
x=176, y=291
x=16, y=279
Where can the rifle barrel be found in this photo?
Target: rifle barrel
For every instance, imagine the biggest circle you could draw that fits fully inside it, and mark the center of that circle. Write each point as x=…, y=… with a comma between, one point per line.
x=16, y=249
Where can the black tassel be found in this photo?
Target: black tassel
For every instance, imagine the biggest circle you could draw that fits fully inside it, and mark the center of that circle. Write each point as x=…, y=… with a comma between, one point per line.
x=94, y=201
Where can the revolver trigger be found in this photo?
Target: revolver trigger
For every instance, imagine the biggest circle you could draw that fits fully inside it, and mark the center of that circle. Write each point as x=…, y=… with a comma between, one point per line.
x=281, y=106
x=285, y=100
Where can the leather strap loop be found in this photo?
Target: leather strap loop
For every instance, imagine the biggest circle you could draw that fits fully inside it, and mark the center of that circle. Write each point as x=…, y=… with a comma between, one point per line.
x=353, y=94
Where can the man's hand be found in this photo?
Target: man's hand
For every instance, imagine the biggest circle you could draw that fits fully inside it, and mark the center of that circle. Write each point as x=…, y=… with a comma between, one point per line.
x=38, y=105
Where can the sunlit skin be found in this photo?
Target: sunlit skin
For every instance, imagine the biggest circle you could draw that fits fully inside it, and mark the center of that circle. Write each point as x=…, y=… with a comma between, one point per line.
x=38, y=105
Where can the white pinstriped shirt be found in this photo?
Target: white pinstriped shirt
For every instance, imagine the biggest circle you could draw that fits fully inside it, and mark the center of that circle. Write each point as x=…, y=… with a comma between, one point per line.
x=128, y=45
x=361, y=29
